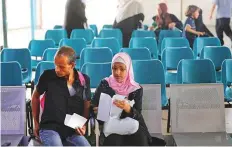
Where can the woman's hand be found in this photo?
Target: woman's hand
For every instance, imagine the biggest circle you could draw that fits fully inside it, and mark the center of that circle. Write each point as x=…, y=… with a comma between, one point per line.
x=123, y=105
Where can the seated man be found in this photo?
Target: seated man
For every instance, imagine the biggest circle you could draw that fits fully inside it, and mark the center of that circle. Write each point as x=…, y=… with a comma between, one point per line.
x=67, y=91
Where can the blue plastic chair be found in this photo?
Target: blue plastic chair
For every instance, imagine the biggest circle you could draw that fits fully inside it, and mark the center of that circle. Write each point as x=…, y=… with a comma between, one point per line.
x=196, y=71
x=107, y=26
x=87, y=34
x=109, y=33
x=96, y=72
x=42, y=66
x=49, y=54
x=56, y=35
x=170, y=59
x=151, y=72
x=147, y=42
x=77, y=44
x=58, y=27
x=37, y=48
x=94, y=28
x=138, y=53
x=96, y=55
x=143, y=33
x=217, y=54
x=11, y=74
x=227, y=79
x=23, y=57
x=201, y=42
x=174, y=42
x=111, y=43
x=167, y=33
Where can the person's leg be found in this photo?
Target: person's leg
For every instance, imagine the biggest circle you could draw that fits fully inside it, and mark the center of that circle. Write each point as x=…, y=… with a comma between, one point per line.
x=137, y=139
x=113, y=140
x=219, y=30
x=78, y=140
x=50, y=138
x=226, y=26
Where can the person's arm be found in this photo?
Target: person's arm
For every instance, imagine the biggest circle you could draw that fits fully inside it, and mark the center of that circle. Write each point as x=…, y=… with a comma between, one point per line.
x=190, y=30
x=212, y=11
x=41, y=87
x=177, y=22
x=135, y=111
x=87, y=98
x=36, y=111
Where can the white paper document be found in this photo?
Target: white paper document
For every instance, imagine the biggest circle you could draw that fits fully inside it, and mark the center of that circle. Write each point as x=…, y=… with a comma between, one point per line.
x=74, y=121
x=107, y=109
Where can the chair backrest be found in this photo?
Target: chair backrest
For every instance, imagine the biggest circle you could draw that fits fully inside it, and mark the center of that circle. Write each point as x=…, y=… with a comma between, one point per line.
x=217, y=54
x=174, y=42
x=96, y=72
x=201, y=42
x=142, y=53
x=227, y=72
x=96, y=55
x=150, y=72
x=77, y=44
x=56, y=35
x=107, y=26
x=23, y=57
x=37, y=47
x=143, y=33
x=172, y=56
x=109, y=33
x=94, y=28
x=11, y=74
x=152, y=111
x=41, y=67
x=111, y=43
x=13, y=118
x=58, y=27
x=167, y=33
x=87, y=34
x=148, y=42
x=49, y=54
x=197, y=108
x=196, y=71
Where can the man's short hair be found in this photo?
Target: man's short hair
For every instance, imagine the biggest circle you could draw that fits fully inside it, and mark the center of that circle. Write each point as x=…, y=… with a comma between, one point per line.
x=68, y=52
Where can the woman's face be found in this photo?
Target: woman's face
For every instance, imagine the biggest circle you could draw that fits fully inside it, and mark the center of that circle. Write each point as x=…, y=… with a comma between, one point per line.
x=119, y=71
x=196, y=14
x=159, y=10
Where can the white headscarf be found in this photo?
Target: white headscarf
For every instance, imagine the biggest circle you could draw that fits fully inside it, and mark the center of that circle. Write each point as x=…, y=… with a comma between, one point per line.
x=128, y=8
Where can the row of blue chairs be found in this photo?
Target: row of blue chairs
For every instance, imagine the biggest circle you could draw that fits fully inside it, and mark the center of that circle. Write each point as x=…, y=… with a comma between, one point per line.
x=145, y=72
x=170, y=57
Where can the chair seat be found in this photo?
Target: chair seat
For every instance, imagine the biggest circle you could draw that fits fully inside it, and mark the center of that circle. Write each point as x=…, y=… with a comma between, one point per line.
x=170, y=77
x=27, y=80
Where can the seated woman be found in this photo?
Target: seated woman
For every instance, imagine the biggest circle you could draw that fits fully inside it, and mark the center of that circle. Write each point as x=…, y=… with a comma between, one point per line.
x=129, y=18
x=121, y=82
x=165, y=20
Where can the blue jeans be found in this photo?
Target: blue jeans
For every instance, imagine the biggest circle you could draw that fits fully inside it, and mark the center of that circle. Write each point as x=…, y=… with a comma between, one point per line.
x=52, y=138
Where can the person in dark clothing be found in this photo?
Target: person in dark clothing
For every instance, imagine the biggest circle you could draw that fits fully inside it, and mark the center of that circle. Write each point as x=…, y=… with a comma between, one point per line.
x=201, y=27
x=66, y=91
x=121, y=82
x=129, y=18
x=75, y=17
x=165, y=20
x=222, y=18
x=190, y=31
